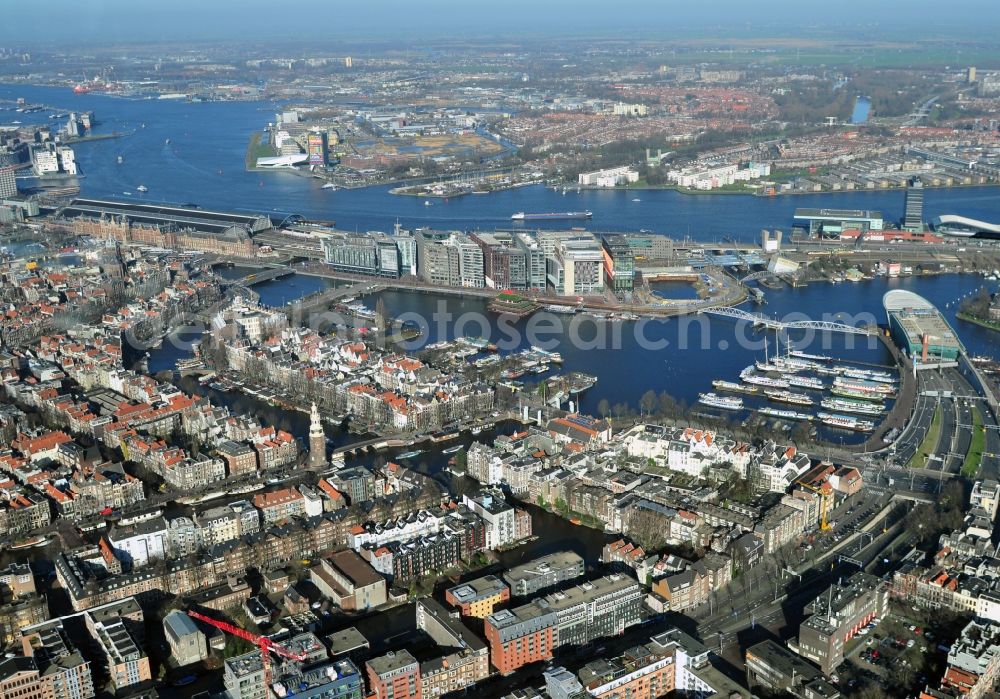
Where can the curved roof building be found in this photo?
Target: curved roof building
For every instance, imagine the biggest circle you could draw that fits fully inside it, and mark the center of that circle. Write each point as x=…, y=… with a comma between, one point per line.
x=919, y=328
x=964, y=227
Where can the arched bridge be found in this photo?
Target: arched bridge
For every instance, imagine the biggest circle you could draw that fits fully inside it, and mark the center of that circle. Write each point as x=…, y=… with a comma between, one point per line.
x=775, y=324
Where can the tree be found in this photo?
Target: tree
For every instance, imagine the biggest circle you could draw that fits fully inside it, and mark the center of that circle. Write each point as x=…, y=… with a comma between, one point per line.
x=604, y=407
x=648, y=402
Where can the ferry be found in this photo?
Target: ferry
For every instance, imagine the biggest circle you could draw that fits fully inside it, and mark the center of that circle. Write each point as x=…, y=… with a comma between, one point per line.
x=37, y=541
x=864, y=385
x=810, y=382
x=793, y=364
x=805, y=355
x=549, y=356
x=766, y=382
x=557, y=216
x=554, y=308
x=721, y=385
x=788, y=397
x=845, y=422
x=859, y=407
x=409, y=454
x=785, y=414
x=716, y=401
x=870, y=375
x=845, y=392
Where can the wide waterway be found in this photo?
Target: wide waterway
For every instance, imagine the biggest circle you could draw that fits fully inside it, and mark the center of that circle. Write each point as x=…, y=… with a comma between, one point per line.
x=203, y=163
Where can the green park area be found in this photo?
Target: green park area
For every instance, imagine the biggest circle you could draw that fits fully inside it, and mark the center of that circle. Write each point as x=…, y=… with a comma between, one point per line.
x=929, y=442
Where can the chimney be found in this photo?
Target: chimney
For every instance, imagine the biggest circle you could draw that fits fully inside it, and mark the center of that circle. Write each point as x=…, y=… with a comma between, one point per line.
x=923, y=353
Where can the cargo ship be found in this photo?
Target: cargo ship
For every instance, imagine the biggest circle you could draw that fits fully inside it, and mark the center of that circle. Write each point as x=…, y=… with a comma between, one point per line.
x=722, y=385
x=858, y=407
x=785, y=414
x=846, y=422
x=788, y=397
x=716, y=401
x=556, y=216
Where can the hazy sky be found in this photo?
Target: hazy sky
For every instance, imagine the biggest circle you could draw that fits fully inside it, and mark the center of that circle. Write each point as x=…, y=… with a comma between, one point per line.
x=422, y=20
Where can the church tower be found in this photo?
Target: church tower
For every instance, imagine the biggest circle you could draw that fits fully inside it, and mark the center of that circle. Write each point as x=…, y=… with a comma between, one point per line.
x=317, y=440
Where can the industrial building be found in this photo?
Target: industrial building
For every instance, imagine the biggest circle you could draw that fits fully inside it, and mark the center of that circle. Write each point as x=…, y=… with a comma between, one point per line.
x=919, y=328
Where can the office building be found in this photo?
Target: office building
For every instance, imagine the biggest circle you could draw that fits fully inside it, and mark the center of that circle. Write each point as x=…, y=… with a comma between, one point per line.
x=837, y=616
x=543, y=573
x=913, y=211
x=8, y=182
x=437, y=261
x=471, y=271
x=619, y=263
x=394, y=676
x=830, y=223
x=479, y=597
x=777, y=670
x=465, y=660
x=560, y=683
x=520, y=636
x=367, y=254
x=499, y=517
x=407, y=246
x=505, y=261
x=602, y=607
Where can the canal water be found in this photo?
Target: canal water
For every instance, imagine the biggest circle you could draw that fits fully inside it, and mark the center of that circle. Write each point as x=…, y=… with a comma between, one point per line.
x=862, y=107
x=203, y=163
x=679, y=355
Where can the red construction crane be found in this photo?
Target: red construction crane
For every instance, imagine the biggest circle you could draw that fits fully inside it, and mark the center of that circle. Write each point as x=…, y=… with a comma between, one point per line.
x=263, y=643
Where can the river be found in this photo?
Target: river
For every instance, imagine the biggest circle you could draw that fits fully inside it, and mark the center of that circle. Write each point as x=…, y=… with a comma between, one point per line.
x=203, y=163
